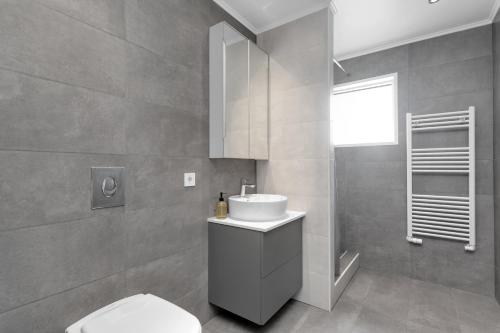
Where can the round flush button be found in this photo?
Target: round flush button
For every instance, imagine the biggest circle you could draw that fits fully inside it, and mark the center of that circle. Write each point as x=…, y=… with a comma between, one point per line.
x=109, y=187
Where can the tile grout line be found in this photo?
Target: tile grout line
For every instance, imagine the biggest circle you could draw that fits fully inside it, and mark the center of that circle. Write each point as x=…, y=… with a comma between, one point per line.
x=123, y=96
x=82, y=21
x=43, y=78
x=118, y=273
x=122, y=38
x=124, y=155
x=62, y=291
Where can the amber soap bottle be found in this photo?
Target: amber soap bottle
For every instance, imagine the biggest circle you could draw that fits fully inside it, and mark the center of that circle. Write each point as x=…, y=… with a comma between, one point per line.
x=221, y=208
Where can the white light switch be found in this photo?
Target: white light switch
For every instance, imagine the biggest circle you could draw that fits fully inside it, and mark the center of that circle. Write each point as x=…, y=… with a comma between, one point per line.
x=190, y=179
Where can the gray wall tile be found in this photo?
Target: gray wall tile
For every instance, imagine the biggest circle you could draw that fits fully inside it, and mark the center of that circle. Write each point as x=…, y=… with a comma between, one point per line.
x=299, y=105
x=292, y=72
x=39, y=41
x=161, y=27
x=57, y=312
x=153, y=79
x=42, y=188
x=376, y=175
x=156, y=181
x=460, y=46
x=44, y=115
x=482, y=101
x=295, y=177
x=374, y=64
x=108, y=15
x=440, y=184
x=170, y=278
x=496, y=145
x=380, y=243
x=317, y=209
x=158, y=233
x=454, y=78
x=301, y=34
x=161, y=130
x=302, y=140
x=196, y=302
x=299, y=153
x=225, y=176
x=46, y=260
x=389, y=153
x=105, y=83
x=497, y=282
x=457, y=269
x=456, y=184
x=376, y=204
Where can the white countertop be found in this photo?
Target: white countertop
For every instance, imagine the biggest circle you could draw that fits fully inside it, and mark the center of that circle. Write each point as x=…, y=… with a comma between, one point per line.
x=259, y=226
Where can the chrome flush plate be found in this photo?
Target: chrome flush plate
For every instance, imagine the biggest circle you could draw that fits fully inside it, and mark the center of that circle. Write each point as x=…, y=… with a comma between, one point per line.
x=108, y=187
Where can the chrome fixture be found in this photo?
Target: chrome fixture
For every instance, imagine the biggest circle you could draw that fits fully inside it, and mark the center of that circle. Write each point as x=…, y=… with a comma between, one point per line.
x=336, y=62
x=108, y=187
x=433, y=1
x=244, y=185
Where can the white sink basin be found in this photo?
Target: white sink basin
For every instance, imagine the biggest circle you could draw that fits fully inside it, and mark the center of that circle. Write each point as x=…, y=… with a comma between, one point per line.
x=257, y=207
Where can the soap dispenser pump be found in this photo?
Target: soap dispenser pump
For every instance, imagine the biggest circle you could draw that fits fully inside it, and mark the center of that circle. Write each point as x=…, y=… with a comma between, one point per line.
x=221, y=208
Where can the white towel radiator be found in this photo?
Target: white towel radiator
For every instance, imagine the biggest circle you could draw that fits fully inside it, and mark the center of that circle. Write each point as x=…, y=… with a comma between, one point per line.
x=447, y=217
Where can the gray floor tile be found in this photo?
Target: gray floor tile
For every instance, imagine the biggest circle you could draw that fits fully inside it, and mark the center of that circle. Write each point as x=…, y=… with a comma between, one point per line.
x=370, y=321
x=289, y=319
x=416, y=328
x=389, y=296
x=476, y=313
x=342, y=318
x=432, y=305
x=375, y=302
x=360, y=285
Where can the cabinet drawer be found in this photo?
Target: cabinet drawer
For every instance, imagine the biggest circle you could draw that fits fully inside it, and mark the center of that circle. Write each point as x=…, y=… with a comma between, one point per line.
x=280, y=245
x=234, y=281
x=279, y=286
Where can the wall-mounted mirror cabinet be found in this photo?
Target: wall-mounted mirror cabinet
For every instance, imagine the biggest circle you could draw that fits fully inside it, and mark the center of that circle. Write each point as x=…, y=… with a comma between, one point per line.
x=239, y=82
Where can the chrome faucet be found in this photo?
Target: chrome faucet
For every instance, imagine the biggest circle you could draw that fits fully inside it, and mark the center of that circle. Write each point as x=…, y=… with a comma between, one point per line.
x=244, y=185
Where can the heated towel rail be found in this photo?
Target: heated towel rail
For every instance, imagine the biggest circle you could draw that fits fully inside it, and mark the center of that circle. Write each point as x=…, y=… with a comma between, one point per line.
x=438, y=216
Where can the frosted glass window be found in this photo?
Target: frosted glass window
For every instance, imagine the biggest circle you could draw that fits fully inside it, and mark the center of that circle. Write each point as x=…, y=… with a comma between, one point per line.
x=365, y=112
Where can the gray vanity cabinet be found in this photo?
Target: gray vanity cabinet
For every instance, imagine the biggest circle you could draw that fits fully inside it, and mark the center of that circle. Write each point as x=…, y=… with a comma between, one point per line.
x=252, y=273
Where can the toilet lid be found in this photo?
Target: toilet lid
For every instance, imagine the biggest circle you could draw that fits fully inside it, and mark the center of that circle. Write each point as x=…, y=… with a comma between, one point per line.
x=139, y=313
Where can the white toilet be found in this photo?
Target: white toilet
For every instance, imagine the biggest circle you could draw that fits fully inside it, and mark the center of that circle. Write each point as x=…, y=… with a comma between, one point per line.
x=138, y=314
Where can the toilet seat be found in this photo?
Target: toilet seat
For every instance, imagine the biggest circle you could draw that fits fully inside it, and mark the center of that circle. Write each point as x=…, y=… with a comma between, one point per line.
x=138, y=314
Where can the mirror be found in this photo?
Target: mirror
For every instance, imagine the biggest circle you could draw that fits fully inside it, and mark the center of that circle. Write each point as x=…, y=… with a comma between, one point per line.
x=239, y=82
x=236, y=84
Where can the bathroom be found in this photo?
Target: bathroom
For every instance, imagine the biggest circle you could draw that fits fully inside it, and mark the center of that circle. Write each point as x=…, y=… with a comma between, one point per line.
x=124, y=122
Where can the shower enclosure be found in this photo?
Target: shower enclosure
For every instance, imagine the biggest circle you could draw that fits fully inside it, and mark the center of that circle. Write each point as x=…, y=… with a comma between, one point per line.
x=345, y=257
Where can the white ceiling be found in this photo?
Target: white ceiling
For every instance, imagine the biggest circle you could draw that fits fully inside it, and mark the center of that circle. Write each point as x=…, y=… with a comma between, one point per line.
x=263, y=15
x=365, y=26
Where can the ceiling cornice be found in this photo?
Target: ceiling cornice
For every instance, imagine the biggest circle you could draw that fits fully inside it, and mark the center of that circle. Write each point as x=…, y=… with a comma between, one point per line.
x=331, y=4
x=296, y=16
x=234, y=13
x=391, y=45
x=333, y=7
x=494, y=10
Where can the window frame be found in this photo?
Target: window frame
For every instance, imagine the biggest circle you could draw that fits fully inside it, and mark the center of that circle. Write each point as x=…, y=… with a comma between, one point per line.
x=368, y=84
